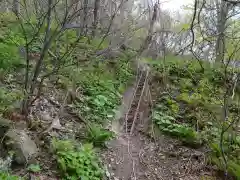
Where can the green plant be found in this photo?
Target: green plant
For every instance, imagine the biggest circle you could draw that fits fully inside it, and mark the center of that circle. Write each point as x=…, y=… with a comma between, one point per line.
x=10, y=39
x=185, y=84
x=9, y=56
x=201, y=100
x=173, y=106
x=233, y=166
x=97, y=108
x=62, y=145
x=97, y=135
x=168, y=125
x=77, y=162
x=230, y=147
x=8, y=97
x=192, y=99
x=100, y=89
x=7, y=176
x=35, y=168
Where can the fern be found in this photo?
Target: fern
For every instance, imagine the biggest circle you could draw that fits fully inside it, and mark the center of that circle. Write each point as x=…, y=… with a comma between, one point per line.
x=77, y=163
x=97, y=135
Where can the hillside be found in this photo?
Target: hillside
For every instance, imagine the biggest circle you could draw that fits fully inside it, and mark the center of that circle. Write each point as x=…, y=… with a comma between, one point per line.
x=73, y=108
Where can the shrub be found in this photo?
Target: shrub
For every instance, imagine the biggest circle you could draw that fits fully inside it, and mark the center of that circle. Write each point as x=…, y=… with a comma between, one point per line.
x=97, y=135
x=233, y=166
x=201, y=99
x=100, y=89
x=8, y=98
x=77, y=162
x=168, y=125
x=7, y=176
x=9, y=56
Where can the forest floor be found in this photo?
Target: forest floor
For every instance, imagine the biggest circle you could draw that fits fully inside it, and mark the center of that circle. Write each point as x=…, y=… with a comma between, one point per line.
x=144, y=154
x=148, y=154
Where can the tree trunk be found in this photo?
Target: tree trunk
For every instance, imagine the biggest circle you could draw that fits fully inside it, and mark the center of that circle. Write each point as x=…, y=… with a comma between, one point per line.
x=95, y=17
x=84, y=21
x=5, y=7
x=16, y=7
x=222, y=11
x=76, y=6
x=148, y=39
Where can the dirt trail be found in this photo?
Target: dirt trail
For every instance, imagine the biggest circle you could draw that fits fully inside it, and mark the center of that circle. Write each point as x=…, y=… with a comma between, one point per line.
x=136, y=156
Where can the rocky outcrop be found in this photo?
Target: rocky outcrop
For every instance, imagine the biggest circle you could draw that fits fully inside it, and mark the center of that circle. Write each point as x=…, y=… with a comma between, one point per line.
x=22, y=145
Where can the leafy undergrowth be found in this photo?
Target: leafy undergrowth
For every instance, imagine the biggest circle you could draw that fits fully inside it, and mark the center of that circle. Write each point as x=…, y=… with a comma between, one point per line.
x=99, y=86
x=77, y=162
x=97, y=83
x=190, y=109
x=7, y=176
x=98, y=135
x=168, y=125
x=101, y=91
x=10, y=40
x=8, y=97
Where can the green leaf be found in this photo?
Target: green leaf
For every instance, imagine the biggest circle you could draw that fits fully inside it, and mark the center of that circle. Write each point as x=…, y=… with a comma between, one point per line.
x=84, y=178
x=62, y=164
x=156, y=116
x=87, y=147
x=185, y=26
x=34, y=168
x=167, y=121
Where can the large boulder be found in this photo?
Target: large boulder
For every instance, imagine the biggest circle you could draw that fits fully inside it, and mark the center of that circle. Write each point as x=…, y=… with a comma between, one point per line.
x=22, y=145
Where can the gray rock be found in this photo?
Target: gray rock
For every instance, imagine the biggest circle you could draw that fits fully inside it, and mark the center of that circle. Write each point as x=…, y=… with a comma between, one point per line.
x=22, y=145
x=5, y=164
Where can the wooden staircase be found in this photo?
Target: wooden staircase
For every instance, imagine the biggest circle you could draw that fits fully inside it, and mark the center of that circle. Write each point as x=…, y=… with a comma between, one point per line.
x=132, y=115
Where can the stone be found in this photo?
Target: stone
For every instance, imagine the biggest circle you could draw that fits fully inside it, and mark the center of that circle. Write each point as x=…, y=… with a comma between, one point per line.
x=22, y=145
x=162, y=156
x=5, y=164
x=45, y=116
x=108, y=174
